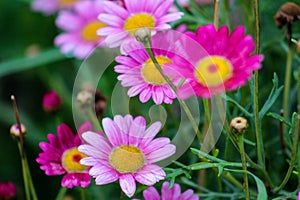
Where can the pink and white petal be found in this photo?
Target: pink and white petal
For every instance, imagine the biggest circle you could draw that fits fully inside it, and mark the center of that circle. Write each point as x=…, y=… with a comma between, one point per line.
x=107, y=177
x=89, y=161
x=116, y=39
x=151, y=194
x=127, y=61
x=188, y=195
x=161, y=153
x=68, y=21
x=93, y=151
x=65, y=136
x=163, y=8
x=113, y=8
x=162, y=27
x=83, y=50
x=145, y=95
x=75, y=179
x=136, y=131
x=133, y=5
x=170, y=17
x=105, y=31
x=157, y=174
x=145, y=178
x=135, y=90
x=86, y=126
x=112, y=131
x=150, y=133
x=98, y=141
x=127, y=184
x=111, y=20
x=157, y=94
x=171, y=194
x=156, y=144
x=124, y=129
x=99, y=169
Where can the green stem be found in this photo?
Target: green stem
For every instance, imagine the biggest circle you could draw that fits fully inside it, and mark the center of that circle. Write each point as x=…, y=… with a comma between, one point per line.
x=93, y=118
x=216, y=13
x=287, y=81
x=32, y=189
x=259, y=137
x=61, y=194
x=25, y=177
x=173, y=87
x=240, y=138
x=82, y=193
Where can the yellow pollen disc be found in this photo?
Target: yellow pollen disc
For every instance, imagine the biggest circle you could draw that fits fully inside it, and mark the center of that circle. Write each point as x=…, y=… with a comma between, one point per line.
x=127, y=159
x=89, y=31
x=213, y=71
x=71, y=160
x=137, y=21
x=150, y=72
x=64, y=3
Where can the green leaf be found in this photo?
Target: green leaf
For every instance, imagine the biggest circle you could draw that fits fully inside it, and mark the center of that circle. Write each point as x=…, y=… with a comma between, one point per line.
x=21, y=64
x=241, y=108
x=278, y=117
x=262, y=193
x=274, y=94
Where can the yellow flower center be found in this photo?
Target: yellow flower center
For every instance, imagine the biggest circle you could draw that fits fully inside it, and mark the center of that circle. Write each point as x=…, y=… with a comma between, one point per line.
x=71, y=160
x=137, y=21
x=89, y=31
x=127, y=159
x=150, y=72
x=64, y=3
x=213, y=71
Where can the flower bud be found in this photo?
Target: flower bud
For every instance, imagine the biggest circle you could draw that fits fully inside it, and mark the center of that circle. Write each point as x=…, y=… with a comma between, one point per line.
x=8, y=190
x=15, y=132
x=286, y=14
x=51, y=101
x=239, y=124
x=84, y=97
x=142, y=34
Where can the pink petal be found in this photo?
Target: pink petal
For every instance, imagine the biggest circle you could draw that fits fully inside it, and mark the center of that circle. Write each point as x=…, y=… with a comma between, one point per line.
x=127, y=184
x=150, y=174
x=161, y=153
x=112, y=131
x=75, y=179
x=156, y=144
x=65, y=136
x=108, y=177
x=97, y=141
x=151, y=194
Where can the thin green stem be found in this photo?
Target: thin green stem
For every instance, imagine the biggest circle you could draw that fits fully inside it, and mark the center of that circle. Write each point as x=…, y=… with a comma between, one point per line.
x=32, y=188
x=173, y=87
x=259, y=137
x=82, y=193
x=287, y=82
x=240, y=138
x=93, y=118
x=61, y=194
x=25, y=177
x=216, y=13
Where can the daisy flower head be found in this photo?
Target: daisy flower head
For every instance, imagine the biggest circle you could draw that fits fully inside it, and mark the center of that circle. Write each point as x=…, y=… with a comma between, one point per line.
x=61, y=156
x=49, y=7
x=227, y=65
x=123, y=21
x=80, y=26
x=127, y=154
x=169, y=194
x=138, y=72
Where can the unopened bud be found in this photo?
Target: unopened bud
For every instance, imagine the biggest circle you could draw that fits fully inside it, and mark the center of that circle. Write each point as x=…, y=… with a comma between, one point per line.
x=142, y=34
x=84, y=97
x=287, y=13
x=15, y=132
x=8, y=190
x=51, y=101
x=239, y=124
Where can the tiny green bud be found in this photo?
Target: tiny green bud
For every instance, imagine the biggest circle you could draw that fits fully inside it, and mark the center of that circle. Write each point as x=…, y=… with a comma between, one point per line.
x=239, y=124
x=142, y=34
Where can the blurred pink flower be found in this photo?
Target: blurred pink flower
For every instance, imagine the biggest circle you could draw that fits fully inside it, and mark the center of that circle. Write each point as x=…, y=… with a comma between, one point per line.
x=169, y=194
x=80, y=26
x=61, y=156
x=51, y=101
x=8, y=190
x=140, y=74
x=227, y=64
x=49, y=7
x=122, y=22
x=127, y=153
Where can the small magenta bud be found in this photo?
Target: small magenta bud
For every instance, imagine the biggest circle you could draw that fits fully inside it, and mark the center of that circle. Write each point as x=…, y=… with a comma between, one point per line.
x=8, y=190
x=51, y=101
x=239, y=124
x=15, y=132
x=142, y=35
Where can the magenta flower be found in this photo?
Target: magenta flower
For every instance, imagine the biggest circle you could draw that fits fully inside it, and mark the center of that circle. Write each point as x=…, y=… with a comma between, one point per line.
x=51, y=101
x=61, y=156
x=169, y=194
x=80, y=26
x=8, y=190
x=227, y=65
x=140, y=74
x=49, y=7
x=127, y=154
x=122, y=22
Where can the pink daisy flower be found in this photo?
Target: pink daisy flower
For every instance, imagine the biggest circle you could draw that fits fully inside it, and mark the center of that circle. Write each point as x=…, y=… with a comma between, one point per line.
x=169, y=194
x=61, y=156
x=127, y=154
x=80, y=26
x=122, y=22
x=49, y=7
x=139, y=72
x=8, y=190
x=227, y=65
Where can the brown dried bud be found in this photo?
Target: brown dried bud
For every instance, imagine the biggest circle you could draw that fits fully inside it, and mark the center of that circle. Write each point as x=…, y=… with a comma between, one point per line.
x=84, y=97
x=239, y=124
x=286, y=14
x=15, y=132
